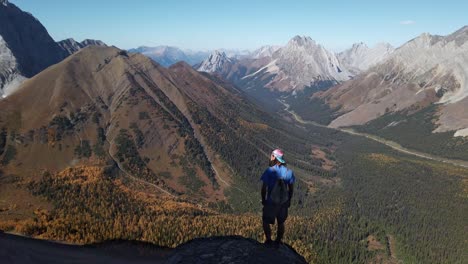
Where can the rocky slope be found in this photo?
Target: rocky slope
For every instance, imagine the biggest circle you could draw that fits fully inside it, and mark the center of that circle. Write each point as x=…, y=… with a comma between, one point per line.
x=217, y=62
x=25, y=47
x=428, y=69
x=360, y=57
x=71, y=46
x=15, y=249
x=301, y=63
x=264, y=51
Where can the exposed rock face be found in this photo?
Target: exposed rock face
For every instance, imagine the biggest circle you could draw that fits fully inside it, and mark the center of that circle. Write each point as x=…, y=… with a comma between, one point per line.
x=218, y=61
x=10, y=77
x=25, y=45
x=232, y=250
x=428, y=69
x=301, y=63
x=71, y=46
x=264, y=51
x=360, y=57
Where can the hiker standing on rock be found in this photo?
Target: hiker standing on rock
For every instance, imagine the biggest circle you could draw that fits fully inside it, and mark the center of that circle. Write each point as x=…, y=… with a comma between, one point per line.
x=277, y=191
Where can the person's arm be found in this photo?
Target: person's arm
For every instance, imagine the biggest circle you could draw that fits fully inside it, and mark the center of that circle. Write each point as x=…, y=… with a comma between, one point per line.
x=264, y=193
x=291, y=190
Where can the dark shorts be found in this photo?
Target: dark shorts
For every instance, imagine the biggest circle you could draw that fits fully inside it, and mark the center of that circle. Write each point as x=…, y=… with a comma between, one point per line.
x=272, y=212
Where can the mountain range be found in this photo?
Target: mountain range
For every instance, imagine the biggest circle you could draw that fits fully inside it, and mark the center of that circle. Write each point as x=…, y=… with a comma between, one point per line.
x=299, y=64
x=427, y=70
x=71, y=46
x=167, y=55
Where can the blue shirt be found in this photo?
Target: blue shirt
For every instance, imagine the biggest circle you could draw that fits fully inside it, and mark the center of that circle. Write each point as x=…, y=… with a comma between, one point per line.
x=271, y=174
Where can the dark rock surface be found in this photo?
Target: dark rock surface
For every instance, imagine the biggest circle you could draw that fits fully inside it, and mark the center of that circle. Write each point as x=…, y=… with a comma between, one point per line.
x=233, y=249
x=70, y=46
x=28, y=40
x=16, y=249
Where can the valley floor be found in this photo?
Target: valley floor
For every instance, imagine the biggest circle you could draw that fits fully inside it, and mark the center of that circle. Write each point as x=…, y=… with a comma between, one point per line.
x=386, y=142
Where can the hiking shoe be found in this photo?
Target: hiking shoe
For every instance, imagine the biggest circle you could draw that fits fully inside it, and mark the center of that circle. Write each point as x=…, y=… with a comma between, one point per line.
x=278, y=243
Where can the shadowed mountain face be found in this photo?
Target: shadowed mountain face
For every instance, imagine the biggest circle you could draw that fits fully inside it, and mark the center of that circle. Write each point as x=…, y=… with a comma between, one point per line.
x=30, y=47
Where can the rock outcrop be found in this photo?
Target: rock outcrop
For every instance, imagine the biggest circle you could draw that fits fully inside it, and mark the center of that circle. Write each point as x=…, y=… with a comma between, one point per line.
x=71, y=46
x=229, y=249
x=232, y=249
x=26, y=47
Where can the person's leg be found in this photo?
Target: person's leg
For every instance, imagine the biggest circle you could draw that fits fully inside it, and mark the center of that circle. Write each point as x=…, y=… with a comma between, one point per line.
x=267, y=230
x=267, y=219
x=280, y=233
x=281, y=218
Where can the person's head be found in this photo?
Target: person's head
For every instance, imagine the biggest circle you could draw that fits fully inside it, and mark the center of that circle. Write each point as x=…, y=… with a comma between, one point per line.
x=276, y=157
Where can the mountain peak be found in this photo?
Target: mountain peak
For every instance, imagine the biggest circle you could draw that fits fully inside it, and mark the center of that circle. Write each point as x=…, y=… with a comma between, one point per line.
x=301, y=41
x=460, y=36
x=4, y=2
x=462, y=30
x=218, y=53
x=70, y=45
x=359, y=45
x=215, y=62
x=360, y=57
x=95, y=42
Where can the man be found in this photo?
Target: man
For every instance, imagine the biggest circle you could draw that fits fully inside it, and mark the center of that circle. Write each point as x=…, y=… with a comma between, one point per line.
x=277, y=191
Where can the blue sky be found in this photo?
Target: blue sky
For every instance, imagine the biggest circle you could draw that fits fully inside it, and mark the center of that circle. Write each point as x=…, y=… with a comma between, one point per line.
x=245, y=24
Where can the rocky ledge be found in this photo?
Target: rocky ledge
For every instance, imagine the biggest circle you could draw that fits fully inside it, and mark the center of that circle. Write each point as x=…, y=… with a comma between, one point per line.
x=232, y=249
